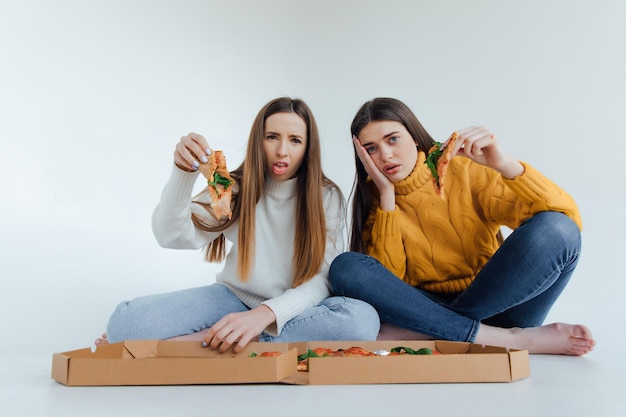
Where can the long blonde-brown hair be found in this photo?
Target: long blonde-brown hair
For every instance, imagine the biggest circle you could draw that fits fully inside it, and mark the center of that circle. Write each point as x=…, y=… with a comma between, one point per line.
x=310, y=231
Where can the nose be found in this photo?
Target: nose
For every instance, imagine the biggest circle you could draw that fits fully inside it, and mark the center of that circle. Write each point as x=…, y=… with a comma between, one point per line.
x=281, y=150
x=387, y=153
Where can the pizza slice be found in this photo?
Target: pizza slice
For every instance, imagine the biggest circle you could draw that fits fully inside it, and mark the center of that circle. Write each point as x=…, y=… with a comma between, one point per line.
x=438, y=160
x=354, y=351
x=270, y=354
x=303, y=360
x=219, y=184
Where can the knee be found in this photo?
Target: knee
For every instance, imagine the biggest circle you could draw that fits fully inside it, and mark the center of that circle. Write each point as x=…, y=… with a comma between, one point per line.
x=341, y=272
x=560, y=229
x=119, y=323
x=361, y=320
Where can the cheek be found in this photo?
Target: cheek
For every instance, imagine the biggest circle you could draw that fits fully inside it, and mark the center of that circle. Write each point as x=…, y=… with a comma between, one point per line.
x=266, y=156
x=298, y=157
x=410, y=154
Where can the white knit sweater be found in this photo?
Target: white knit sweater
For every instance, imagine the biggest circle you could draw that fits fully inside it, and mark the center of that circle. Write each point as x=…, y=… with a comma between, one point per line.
x=271, y=276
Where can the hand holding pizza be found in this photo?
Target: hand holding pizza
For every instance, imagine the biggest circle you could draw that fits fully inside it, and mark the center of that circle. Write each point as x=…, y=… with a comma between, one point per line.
x=191, y=151
x=481, y=146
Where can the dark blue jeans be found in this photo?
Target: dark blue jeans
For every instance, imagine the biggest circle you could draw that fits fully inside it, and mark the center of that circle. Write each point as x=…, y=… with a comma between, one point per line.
x=516, y=288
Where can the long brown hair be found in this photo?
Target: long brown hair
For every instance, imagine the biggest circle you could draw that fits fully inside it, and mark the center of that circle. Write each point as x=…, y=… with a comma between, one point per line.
x=310, y=229
x=363, y=193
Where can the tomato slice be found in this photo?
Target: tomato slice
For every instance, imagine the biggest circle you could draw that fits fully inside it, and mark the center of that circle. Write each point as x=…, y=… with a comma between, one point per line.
x=270, y=354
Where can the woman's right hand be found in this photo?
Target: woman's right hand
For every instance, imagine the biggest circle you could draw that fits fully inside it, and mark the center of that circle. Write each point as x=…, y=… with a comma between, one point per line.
x=238, y=329
x=191, y=150
x=384, y=185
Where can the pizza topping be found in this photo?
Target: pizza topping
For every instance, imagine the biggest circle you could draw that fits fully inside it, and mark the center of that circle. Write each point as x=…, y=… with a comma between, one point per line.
x=303, y=359
x=264, y=354
x=437, y=161
x=434, y=153
x=218, y=179
x=408, y=350
x=219, y=184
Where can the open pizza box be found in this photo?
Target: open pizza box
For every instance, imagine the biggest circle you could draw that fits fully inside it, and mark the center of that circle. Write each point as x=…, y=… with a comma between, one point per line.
x=453, y=362
x=152, y=362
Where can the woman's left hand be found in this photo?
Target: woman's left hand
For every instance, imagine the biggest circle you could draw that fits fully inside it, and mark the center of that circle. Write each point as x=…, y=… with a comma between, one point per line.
x=238, y=329
x=481, y=146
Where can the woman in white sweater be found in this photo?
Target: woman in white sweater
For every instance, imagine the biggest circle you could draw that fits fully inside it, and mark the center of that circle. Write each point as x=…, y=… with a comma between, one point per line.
x=287, y=226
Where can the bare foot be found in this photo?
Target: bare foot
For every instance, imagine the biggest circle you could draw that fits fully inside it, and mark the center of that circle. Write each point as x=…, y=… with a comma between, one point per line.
x=555, y=338
x=102, y=340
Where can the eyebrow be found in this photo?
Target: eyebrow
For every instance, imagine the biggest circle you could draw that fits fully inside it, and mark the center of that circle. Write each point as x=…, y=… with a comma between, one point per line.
x=391, y=134
x=384, y=137
x=278, y=134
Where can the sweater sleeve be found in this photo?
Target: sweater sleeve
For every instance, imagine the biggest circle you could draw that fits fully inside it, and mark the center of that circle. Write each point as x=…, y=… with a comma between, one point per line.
x=295, y=300
x=385, y=242
x=534, y=193
x=171, y=220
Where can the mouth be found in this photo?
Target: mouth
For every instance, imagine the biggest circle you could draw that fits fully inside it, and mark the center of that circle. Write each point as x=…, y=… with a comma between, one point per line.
x=391, y=169
x=279, y=168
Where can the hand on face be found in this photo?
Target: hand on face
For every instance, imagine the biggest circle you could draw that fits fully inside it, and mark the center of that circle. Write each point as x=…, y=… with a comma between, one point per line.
x=191, y=151
x=387, y=151
x=238, y=329
x=380, y=179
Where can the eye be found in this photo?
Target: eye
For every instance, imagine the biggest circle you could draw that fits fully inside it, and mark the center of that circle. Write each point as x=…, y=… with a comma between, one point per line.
x=371, y=149
x=394, y=139
x=296, y=140
x=270, y=137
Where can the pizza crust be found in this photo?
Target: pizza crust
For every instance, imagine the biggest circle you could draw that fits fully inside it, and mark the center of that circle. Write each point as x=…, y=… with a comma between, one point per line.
x=220, y=195
x=442, y=164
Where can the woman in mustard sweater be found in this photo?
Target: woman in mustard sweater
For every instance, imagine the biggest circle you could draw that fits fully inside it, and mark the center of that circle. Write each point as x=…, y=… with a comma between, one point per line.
x=438, y=266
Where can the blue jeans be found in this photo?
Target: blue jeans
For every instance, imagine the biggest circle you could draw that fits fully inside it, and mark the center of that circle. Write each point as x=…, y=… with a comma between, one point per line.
x=516, y=288
x=163, y=316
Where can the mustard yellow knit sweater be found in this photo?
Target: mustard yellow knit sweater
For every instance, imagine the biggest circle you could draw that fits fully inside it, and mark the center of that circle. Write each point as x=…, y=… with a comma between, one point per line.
x=440, y=245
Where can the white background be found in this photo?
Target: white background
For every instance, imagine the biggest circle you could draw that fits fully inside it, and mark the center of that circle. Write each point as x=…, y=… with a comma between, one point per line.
x=94, y=96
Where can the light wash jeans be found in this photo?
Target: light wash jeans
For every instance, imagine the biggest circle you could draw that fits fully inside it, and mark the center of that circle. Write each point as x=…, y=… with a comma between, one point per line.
x=516, y=288
x=178, y=313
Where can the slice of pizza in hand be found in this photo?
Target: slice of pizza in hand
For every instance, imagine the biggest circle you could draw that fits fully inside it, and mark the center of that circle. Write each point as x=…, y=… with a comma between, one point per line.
x=219, y=184
x=438, y=160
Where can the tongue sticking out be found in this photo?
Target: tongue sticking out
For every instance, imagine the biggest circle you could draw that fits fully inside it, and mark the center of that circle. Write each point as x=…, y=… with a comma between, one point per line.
x=279, y=169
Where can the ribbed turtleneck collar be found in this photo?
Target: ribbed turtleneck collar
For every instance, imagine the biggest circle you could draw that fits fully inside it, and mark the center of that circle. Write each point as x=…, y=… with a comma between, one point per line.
x=417, y=178
x=280, y=189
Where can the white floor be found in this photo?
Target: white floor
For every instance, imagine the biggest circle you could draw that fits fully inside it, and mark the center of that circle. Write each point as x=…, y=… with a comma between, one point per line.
x=558, y=386
x=59, y=297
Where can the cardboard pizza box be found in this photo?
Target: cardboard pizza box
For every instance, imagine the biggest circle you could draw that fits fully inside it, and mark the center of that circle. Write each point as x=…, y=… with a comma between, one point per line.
x=455, y=362
x=153, y=362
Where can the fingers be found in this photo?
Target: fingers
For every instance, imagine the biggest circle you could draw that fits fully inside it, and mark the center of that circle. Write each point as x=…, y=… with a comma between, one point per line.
x=237, y=329
x=473, y=140
x=365, y=158
x=191, y=151
x=224, y=334
x=360, y=150
x=225, y=338
x=216, y=338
